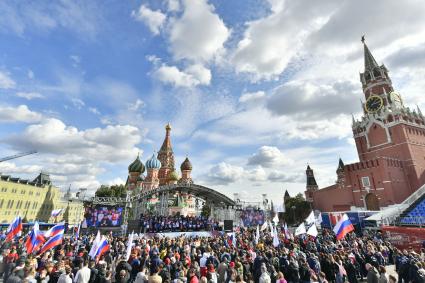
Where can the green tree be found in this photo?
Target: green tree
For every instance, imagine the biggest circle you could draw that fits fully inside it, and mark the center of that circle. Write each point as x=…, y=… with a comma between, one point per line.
x=118, y=191
x=206, y=210
x=297, y=209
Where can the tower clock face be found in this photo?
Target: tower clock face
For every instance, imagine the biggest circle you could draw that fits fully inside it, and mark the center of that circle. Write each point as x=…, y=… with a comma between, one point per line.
x=396, y=98
x=373, y=104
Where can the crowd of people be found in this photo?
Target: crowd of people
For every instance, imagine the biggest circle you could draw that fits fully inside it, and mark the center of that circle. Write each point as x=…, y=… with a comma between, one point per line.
x=215, y=259
x=178, y=223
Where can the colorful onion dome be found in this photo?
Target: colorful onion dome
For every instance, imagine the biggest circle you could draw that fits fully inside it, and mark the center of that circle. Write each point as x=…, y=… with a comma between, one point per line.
x=153, y=163
x=174, y=176
x=136, y=166
x=186, y=165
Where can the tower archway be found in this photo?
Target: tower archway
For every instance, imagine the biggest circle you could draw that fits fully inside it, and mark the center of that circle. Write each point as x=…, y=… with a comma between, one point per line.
x=372, y=201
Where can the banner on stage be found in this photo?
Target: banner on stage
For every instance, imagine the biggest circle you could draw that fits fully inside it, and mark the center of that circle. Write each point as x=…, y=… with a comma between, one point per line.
x=175, y=234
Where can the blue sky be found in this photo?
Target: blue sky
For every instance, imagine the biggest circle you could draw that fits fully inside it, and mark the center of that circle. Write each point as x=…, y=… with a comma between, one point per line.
x=254, y=90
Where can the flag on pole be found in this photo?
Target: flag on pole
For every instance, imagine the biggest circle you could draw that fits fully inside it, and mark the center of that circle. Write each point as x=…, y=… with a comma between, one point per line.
x=312, y=231
x=257, y=235
x=275, y=239
x=343, y=227
x=77, y=233
x=102, y=247
x=56, y=212
x=276, y=219
x=319, y=219
x=14, y=229
x=35, y=239
x=264, y=226
x=287, y=233
x=95, y=246
x=129, y=245
x=310, y=219
x=52, y=242
x=271, y=229
x=57, y=229
x=300, y=230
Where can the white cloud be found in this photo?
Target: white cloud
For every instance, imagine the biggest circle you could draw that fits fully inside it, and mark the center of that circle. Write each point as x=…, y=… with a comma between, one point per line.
x=268, y=156
x=200, y=73
x=76, y=16
x=30, y=74
x=173, y=5
x=137, y=105
x=29, y=95
x=315, y=100
x=78, y=103
x=153, y=19
x=6, y=82
x=94, y=110
x=224, y=173
x=284, y=177
x=269, y=43
x=199, y=34
x=18, y=114
x=111, y=144
x=192, y=76
x=7, y=167
x=77, y=156
x=257, y=174
x=115, y=181
x=252, y=98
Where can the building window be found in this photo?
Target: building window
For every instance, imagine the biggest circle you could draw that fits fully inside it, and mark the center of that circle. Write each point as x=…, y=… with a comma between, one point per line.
x=22, y=192
x=14, y=191
x=1, y=203
x=365, y=182
x=3, y=190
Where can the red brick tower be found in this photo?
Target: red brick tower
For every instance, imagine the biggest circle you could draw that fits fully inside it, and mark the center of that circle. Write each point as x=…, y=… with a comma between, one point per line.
x=311, y=186
x=166, y=157
x=388, y=128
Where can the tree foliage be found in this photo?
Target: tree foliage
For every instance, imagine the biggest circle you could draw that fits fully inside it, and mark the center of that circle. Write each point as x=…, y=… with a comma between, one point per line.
x=297, y=209
x=118, y=191
x=206, y=210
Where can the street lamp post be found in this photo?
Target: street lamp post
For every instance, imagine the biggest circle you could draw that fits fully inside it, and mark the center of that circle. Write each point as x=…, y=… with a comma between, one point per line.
x=81, y=196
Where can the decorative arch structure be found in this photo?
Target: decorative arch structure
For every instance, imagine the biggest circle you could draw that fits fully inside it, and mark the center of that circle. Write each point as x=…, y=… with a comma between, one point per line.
x=214, y=198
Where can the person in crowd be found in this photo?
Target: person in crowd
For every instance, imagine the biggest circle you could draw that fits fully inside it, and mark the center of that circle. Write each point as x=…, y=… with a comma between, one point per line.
x=382, y=275
x=83, y=274
x=215, y=259
x=372, y=274
x=67, y=276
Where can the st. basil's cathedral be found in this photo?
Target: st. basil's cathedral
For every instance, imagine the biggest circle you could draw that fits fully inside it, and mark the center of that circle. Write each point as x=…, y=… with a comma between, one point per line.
x=160, y=171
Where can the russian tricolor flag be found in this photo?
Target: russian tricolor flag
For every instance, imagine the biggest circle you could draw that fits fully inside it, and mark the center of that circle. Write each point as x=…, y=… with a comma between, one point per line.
x=103, y=247
x=35, y=239
x=52, y=242
x=56, y=212
x=55, y=230
x=343, y=227
x=14, y=229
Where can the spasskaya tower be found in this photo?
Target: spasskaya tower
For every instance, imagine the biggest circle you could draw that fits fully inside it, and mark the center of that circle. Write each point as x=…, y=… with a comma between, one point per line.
x=390, y=141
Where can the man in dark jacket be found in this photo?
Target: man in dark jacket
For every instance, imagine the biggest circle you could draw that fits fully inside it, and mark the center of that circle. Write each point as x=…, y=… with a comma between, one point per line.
x=122, y=265
x=372, y=274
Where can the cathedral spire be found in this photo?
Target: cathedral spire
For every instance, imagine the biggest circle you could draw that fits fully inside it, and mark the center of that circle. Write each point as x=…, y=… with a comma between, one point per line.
x=166, y=157
x=340, y=165
x=369, y=61
x=166, y=145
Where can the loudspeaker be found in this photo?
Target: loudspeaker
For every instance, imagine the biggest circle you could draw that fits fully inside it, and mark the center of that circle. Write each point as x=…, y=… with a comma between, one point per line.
x=228, y=225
